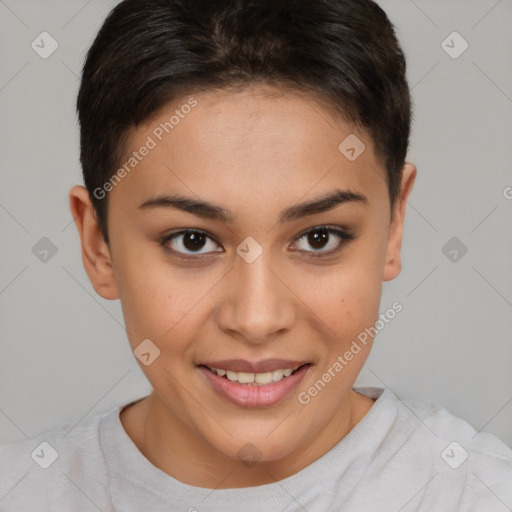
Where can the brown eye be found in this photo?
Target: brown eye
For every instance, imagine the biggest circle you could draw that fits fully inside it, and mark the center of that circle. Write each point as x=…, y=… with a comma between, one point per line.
x=323, y=240
x=189, y=242
x=318, y=238
x=193, y=241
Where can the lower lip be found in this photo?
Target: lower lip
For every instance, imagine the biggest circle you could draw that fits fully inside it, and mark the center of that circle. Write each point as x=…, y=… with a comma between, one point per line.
x=253, y=396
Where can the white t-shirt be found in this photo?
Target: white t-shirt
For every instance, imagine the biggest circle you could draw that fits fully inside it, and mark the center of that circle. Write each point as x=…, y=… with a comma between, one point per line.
x=402, y=456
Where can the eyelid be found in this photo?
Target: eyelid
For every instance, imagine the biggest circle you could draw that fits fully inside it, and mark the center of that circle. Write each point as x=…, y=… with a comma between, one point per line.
x=341, y=230
x=183, y=231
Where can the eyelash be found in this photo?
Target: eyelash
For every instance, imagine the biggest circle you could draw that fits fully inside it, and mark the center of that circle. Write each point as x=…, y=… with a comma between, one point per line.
x=345, y=239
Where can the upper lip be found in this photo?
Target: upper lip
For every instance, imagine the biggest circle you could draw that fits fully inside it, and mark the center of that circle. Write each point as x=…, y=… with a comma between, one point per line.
x=241, y=365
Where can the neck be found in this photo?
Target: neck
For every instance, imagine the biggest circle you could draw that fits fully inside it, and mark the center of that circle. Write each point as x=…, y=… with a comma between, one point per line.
x=179, y=450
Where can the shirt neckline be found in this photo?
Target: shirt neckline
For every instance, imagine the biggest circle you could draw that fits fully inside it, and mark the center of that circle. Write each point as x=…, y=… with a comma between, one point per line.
x=128, y=467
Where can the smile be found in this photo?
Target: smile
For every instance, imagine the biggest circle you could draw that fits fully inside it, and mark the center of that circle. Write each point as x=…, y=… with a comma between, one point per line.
x=254, y=389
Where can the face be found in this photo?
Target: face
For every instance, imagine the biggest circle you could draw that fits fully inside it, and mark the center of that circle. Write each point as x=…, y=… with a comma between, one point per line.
x=277, y=249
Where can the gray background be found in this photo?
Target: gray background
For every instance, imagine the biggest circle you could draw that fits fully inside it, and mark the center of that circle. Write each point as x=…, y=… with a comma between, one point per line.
x=64, y=354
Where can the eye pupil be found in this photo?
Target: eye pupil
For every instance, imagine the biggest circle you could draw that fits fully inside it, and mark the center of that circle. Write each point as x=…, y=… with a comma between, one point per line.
x=196, y=241
x=318, y=237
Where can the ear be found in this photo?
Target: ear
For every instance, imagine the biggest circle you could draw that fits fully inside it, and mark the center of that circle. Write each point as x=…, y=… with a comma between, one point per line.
x=393, y=263
x=95, y=252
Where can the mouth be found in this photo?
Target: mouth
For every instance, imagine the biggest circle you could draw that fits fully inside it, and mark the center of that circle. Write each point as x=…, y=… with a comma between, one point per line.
x=254, y=389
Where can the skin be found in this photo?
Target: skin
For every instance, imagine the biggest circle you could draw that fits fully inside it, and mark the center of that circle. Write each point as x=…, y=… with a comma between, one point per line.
x=255, y=153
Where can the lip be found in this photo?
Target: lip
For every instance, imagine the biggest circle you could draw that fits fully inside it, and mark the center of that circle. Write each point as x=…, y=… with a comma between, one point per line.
x=254, y=396
x=241, y=365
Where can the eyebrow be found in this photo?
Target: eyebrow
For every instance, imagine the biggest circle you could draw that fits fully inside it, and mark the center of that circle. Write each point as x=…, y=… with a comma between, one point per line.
x=211, y=211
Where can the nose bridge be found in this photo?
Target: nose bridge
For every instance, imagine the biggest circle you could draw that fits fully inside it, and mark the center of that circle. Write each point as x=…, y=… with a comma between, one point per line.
x=257, y=304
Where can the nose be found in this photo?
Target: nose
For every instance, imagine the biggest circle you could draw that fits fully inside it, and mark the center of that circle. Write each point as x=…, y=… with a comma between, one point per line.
x=256, y=301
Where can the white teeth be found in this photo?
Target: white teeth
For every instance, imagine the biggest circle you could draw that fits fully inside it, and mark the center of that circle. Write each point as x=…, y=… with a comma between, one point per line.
x=231, y=375
x=277, y=375
x=263, y=378
x=258, y=378
x=245, y=378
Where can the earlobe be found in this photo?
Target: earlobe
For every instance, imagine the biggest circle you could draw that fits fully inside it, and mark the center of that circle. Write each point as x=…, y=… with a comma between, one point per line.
x=393, y=262
x=96, y=255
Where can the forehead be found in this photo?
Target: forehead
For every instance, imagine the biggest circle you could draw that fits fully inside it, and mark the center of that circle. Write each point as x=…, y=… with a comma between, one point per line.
x=261, y=142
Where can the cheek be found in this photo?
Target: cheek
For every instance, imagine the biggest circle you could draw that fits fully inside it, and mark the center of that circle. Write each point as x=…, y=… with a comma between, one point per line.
x=146, y=291
x=163, y=303
x=344, y=300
